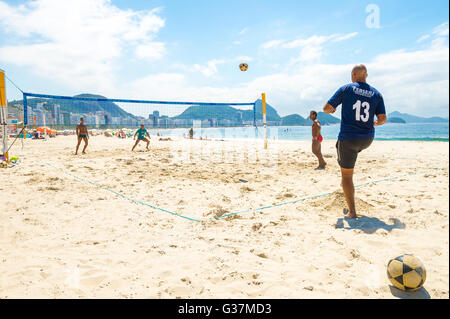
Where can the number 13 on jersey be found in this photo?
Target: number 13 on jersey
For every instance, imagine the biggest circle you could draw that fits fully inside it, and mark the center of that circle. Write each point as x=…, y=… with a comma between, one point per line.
x=365, y=106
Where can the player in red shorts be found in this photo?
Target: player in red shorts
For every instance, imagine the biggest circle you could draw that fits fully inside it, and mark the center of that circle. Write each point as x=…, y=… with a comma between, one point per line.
x=317, y=140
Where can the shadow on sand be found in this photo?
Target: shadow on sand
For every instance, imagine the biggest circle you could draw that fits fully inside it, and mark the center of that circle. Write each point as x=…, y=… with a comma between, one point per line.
x=369, y=225
x=422, y=293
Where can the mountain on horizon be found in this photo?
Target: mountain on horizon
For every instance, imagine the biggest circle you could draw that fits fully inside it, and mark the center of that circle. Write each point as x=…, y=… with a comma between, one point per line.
x=396, y=120
x=408, y=118
x=295, y=119
x=226, y=112
x=219, y=112
x=271, y=113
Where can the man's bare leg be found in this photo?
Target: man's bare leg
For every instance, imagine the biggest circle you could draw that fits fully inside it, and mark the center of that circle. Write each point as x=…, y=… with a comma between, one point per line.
x=78, y=145
x=322, y=162
x=85, y=145
x=316, y=149
x=349, y=190
x=135, y=144
x=148, y=143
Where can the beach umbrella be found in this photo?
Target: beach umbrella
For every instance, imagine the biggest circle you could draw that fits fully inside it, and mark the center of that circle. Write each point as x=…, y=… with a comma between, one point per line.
x=44, y=129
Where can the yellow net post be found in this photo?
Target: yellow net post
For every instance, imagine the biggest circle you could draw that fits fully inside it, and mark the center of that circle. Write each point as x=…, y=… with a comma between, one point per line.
x=264, y=119
x=4, y=115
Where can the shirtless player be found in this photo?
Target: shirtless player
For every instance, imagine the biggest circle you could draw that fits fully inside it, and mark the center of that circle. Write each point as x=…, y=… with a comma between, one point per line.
x=317, y=140
x=82, y=134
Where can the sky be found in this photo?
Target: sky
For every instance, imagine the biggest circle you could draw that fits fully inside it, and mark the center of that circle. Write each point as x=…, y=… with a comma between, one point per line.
x=299, y=52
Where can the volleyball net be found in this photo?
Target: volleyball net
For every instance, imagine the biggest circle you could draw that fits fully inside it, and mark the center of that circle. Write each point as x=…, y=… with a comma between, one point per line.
x=65, y=112
x=33, y=114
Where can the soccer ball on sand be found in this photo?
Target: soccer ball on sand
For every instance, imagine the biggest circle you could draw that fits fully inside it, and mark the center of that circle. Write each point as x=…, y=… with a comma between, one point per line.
x=406, y=272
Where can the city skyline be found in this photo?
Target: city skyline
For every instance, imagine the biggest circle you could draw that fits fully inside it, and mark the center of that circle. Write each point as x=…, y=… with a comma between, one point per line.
x=46, y=114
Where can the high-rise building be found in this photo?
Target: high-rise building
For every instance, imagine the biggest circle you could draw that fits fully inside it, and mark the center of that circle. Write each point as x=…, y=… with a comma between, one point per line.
x=211, y=122
x=153, y=120
x=30, y=115
x=39, y=117
x=238, y=118
x=103, y=118
x=66, y=118
x=163, y=122
x=55, y=113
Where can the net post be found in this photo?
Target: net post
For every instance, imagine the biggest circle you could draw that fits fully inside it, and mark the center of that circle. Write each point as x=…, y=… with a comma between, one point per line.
x=4, y=115
x=25, y=115
x=264, y=119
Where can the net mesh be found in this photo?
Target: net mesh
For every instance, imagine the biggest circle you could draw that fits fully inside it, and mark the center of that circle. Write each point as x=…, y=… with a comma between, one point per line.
x=62, y=112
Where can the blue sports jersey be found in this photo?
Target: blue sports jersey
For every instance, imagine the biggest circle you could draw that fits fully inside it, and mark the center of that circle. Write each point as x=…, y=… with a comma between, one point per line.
x=141, y=133
x=360, y=102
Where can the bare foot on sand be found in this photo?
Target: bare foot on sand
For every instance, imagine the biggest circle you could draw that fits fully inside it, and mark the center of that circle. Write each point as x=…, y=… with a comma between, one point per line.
x=352, y=216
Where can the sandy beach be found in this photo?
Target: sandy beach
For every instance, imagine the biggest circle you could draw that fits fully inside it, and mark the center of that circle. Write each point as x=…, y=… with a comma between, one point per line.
x=117, y=224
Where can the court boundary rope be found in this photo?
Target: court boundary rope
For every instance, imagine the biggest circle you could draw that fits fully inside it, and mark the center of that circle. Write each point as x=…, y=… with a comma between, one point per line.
x=322, y=195
x=238, y=212
x=120, y=194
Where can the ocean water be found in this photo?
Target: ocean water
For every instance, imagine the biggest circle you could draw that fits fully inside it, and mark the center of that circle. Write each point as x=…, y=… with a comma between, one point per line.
x=388, y=132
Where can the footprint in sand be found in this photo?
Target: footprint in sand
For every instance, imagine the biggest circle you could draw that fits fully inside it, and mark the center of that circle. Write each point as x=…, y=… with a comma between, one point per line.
x=256, y=226
x=355, y=254
x=260, y=254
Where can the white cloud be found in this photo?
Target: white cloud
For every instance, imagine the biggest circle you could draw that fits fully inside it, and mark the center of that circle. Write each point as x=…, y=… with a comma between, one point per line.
x=78, y=40
x=311, y=49
x=439, y=34
x=243, y=31
x=416, y=82
x=272, y=44
x=243, y=58
x=209, y=69
x=311, y=41
x=441, y=30
x=340, y=38
x=423, y=38
x=314, y=40
x=151, y=50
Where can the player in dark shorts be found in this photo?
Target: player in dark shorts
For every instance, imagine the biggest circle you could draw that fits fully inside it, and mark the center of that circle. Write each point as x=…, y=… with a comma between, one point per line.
x=360, y=103
x=141, y=133
x=317, y=140
x=82, y=134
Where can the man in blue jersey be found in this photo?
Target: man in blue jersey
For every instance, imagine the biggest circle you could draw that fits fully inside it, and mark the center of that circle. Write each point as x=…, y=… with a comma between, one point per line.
x=360, y=103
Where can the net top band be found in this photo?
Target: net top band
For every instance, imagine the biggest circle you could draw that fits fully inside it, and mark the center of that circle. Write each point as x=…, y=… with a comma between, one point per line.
x=126, y=101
